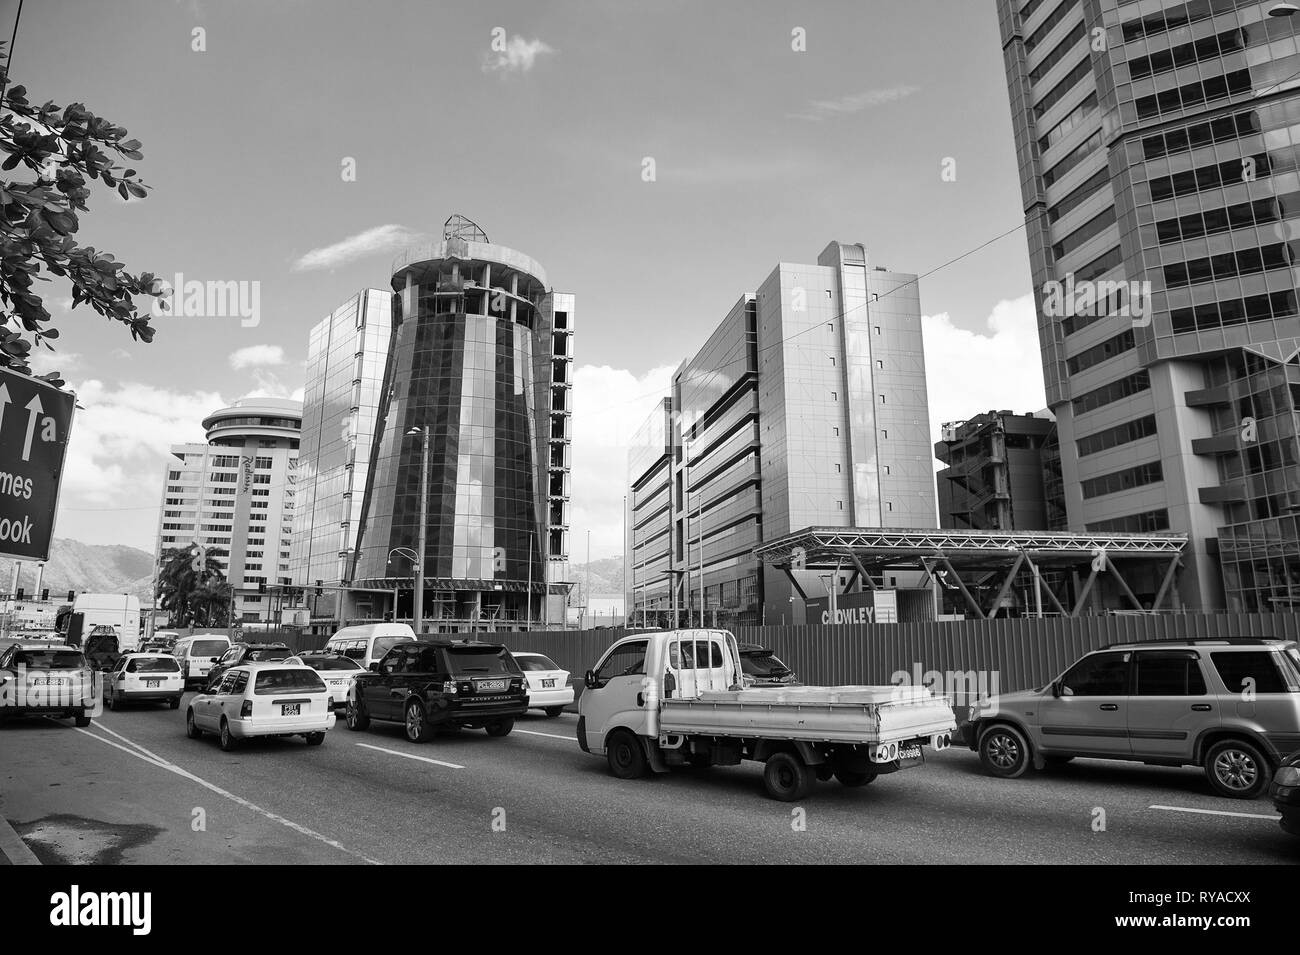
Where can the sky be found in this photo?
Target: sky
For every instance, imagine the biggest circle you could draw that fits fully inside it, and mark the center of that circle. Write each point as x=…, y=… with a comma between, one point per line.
x=301, y=144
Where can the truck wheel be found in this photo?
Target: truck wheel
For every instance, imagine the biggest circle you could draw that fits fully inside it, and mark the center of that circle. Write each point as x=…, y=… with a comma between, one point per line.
x=626, y=757
x=228, y=741
x=174, y=703
x=357, y=717
x=1236, y=769
x=554, y=711
x=418, y=729
x=848, y=777
x=787, y=778
x=191, y=729
x=500, y=727
x=82, y=720
x=1004, y=752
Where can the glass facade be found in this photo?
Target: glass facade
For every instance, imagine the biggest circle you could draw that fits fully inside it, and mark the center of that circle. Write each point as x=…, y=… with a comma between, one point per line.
x=478, y=358
x=1179, y=195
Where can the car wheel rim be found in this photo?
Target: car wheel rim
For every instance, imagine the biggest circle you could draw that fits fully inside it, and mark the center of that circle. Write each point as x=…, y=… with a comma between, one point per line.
x=785, y=777
x=1236, y=769
x=623, y=755
x=1004, y=751
x=413, y=722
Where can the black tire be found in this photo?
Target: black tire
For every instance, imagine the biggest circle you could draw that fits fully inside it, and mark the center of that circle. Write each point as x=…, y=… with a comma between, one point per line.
x=853, y=779
x=174, y=703
x=111, y=701
x=228, y=741
x=315, y=739
x=81, y=720
x=626, y=755
x=1237, y=769
x=786, y=777
x=824, y=772
x=554, y=711
x=191, y=729
x=1004, y=752
x=416, y=723
x=357, y=717
x=500, y=727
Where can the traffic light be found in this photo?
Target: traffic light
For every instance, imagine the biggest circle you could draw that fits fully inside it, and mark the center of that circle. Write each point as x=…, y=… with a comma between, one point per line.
x=72, y=595
x=261, y=585
x=19, y=594
x=45, y=595
x=319, y=589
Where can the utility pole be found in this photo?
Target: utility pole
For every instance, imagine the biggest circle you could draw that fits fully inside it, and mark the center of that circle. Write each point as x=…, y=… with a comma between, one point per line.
x=418, y=612
x=626, y=562
x=588, y=585
x=529, y=597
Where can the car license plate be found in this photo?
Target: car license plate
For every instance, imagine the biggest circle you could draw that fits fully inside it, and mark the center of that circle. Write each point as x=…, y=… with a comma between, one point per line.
x=291, y=709
x=548, y=683
x=909, y=756
x=48, y=681
x=151, y=684
x=486, y=686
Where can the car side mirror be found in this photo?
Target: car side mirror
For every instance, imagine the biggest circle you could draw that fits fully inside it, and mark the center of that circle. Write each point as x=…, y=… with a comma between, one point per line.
x=590, y=680
x=214, y=660
x=374, y=667
x=1056, y=688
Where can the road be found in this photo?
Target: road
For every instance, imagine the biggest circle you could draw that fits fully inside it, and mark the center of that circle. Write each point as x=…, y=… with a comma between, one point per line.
x=133, y=789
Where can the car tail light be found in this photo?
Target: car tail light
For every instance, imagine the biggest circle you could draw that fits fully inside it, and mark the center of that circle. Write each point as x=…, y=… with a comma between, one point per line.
x=246, y=709
x=330, y=703
x=1288, y=776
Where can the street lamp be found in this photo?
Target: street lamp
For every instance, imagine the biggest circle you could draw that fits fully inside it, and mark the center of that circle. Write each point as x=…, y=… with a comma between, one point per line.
x=416, y=570
x=418, y=614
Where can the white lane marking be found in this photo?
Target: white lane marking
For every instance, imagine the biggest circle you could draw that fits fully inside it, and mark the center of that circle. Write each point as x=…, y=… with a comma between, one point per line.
x=1218, y=812
x=105, y=729
x=568, y=739
x=423, y=759
x=226, y=794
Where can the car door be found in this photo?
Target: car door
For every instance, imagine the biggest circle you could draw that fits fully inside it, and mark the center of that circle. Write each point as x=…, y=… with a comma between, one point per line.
x=1170, y=704
x=377, y=689
x=114, y=679
x=207, y=713
x=1089, y=713
x=616, y=697
x=224, y=701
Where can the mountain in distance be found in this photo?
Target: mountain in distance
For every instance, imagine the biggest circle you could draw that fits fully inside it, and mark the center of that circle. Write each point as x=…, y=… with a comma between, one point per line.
x=89, y=568
x=606, y=579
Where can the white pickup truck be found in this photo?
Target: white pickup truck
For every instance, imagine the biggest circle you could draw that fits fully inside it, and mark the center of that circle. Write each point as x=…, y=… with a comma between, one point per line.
x=658, y=700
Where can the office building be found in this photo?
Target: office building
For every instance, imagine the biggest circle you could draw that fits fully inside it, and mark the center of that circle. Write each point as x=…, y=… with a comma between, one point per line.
x=1159, y=176
x=481, y=357
x=346, y=354
x=236, y=494
x=805, y=406
x=997, y=473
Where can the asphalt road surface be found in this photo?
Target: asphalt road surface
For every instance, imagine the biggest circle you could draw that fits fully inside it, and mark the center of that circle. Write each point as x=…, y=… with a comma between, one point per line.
x=133, y=789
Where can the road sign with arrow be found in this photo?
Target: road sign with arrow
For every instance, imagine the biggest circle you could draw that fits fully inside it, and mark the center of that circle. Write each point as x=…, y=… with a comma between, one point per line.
x=35, y=421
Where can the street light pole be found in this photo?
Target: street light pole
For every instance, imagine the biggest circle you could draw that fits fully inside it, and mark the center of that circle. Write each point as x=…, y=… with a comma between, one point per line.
x=424, y=530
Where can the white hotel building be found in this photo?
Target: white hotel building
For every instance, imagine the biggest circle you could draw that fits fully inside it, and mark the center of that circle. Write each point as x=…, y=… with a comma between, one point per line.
x=236, y=493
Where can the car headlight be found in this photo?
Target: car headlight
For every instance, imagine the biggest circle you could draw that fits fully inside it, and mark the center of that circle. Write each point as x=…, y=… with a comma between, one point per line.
x=1288, y=776
x=449, y=688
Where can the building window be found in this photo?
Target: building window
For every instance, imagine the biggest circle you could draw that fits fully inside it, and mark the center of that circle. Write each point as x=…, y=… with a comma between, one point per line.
x=839, y=505
x=882, y=399
x=879, y=363
x=886, y=468
x=889, y=505
x=877, y=329
x=837, y=469
x=885, y=434
x=836, y=431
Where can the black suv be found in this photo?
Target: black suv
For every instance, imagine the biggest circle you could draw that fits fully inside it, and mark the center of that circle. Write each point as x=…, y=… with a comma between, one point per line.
x=247, y=653
x=429, y=684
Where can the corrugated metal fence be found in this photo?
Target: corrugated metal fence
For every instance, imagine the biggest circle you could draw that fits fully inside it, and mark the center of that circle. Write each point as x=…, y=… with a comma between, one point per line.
x=1005, y=654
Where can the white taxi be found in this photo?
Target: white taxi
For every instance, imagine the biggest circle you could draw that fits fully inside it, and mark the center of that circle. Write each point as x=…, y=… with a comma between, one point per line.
x=548, y=685
x=338, y=672
x=144, y=678
x=263, y=699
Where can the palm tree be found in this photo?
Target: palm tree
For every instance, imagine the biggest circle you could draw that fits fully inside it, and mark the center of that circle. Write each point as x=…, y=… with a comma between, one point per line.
x=210, y=603
x=178, y=580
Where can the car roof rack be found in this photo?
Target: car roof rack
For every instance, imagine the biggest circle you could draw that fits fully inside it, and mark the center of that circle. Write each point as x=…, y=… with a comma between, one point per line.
x=1201, y=642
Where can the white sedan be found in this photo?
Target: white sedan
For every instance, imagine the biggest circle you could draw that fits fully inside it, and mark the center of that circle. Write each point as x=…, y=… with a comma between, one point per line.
x=263, y=699
x=548, y=685
x=338, y=672
x=144, y=678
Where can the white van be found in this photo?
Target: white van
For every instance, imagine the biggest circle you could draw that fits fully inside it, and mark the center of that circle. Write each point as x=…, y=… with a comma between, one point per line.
x=197, y=653
x=367, y=644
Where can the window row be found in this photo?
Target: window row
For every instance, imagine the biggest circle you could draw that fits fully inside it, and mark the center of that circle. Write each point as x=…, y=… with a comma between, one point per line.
x=1238, y=216
x=1113, y=437
x=1228, y=265
x=1114, y=391
x=1254, y=308
x=1125, y=480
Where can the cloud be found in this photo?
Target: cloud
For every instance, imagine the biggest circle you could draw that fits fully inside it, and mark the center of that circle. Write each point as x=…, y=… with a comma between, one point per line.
x=257, y=356
x=609, y=405
x=382, y=239
x=519, y=56
x=818, y=110
x=43, y=360
x=969, y=372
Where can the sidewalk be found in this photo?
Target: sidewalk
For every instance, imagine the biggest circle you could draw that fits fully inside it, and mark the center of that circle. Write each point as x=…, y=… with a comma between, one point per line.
x=13, y=851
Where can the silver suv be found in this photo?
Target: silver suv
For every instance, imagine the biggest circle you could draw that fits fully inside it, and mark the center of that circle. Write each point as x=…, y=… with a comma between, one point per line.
x=1231, y=706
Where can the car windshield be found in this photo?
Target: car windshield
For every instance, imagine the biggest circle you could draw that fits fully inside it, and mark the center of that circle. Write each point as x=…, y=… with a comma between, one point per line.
x=270, y=653
x=384, y=644
x=538, y=662
x=465, y=660
x=50, y=659
x=763, y=663
x=152, y=665
x=290, y=679
x=208, y=648
x=331, y=663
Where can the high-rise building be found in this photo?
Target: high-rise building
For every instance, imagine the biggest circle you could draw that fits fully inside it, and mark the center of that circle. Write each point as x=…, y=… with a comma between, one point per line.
x=236, y=494
x=346, y=354
x=806, y=406
x=481, y=357
x=998, y=473
x=1159, y=178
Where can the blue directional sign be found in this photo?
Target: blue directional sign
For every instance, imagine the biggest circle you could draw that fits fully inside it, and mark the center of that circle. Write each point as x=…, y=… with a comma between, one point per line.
x=35, y=421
